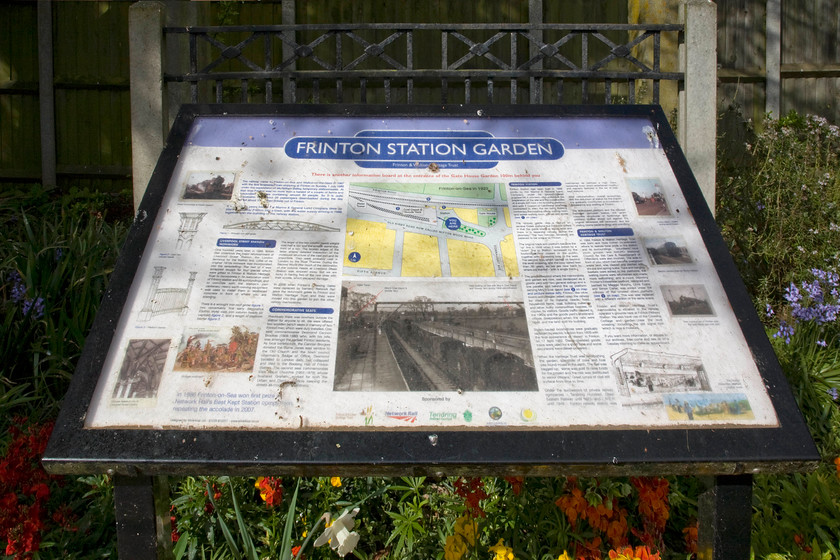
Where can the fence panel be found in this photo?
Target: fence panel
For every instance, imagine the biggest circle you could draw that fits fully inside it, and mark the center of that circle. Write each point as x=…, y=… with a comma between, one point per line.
x=20, y=142
x=810, y=57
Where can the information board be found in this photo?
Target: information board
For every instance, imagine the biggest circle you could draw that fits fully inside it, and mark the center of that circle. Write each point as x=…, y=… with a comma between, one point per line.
x=454, y=271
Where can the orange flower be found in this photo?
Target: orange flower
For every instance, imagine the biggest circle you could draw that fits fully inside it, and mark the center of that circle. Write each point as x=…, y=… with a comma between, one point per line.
x=690, y=536
x=271, y=490
x=573, y=505
x=627, y=553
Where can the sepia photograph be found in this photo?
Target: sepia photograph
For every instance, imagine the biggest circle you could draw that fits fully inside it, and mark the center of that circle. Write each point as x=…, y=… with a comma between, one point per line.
x=209, y=186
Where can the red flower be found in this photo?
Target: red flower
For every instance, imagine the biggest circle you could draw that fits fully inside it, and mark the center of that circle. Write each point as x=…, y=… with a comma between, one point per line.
x=295, y=551
x=24, y=487
x=473, y=492
x=516, y=483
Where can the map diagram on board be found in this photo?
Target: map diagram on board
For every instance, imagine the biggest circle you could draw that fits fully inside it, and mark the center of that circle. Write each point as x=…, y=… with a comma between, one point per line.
x=429, y=230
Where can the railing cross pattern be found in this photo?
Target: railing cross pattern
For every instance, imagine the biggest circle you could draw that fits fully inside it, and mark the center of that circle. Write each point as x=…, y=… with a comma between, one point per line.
x=547, y=51
x=305, y=51
x=229, y=52
x=478, y=49
x=375, y=50
x=623, y=51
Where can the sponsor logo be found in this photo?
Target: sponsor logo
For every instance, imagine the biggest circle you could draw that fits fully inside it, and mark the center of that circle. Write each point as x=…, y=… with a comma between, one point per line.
x=409, y=417
x=528, y=414
x=443, y=416
x=368, y=414
x=467, y=416
x=495, y=412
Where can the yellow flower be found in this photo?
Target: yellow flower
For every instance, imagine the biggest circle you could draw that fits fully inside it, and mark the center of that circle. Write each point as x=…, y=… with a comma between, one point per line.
x=564, y=556
x=455, y=548
x=335, y=481
x=501, y=551
x=465, y=526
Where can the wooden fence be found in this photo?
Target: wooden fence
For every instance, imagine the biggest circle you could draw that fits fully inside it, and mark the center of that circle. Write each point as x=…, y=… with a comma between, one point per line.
x=87, y=143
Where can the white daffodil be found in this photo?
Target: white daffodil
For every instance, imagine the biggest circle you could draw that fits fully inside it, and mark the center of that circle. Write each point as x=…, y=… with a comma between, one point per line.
x=339, y=536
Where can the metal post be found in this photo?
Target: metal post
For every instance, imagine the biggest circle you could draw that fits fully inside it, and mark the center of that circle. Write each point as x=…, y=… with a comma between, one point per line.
x=148, y=111
x=46, y=94
x=535, y=17
x=725, y=511
x=143, y=525
x=288, y=17
x=697, y=127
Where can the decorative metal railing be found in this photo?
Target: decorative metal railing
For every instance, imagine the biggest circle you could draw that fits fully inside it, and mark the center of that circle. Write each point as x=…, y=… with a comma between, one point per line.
x=416, y=63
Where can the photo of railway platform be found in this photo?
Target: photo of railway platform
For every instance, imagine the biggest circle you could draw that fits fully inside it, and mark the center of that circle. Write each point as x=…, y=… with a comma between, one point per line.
x=423, y=345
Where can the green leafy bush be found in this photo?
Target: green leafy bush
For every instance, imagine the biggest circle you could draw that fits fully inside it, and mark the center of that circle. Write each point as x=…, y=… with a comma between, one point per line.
x=779, y=206
x=55, y=258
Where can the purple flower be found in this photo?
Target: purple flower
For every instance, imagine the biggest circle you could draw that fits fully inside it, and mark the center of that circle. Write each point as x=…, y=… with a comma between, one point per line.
x=833, y=393
x=768, y=310
x=18, y=292
x=792, y=294
x=785, y=331
x=35, y=306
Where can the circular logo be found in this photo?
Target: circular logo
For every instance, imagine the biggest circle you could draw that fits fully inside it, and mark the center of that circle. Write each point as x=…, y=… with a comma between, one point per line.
x=528, y=415
x=354, y=257
x=495, y=412
x=453, y=223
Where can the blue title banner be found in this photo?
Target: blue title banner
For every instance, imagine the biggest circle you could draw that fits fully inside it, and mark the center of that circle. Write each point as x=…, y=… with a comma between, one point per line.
x=407, y=148
x=246, y=243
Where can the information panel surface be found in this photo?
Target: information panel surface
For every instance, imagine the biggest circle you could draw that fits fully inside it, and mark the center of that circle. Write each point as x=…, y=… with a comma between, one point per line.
x=428, y=272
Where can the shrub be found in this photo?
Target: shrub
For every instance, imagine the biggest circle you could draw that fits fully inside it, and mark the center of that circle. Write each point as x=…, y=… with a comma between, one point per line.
x=779, y=206
x=55, y=259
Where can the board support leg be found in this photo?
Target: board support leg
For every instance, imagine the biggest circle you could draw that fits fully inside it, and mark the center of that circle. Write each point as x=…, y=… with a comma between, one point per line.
x=143, y=525
x=725, y=512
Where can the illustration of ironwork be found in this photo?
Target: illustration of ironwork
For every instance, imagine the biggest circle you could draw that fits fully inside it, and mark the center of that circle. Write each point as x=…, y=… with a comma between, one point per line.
x=166, y=300
x=188, y=228
x=281, y=225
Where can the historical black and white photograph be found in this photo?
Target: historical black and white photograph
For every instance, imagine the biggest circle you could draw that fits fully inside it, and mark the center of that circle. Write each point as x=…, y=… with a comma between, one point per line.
x=405, y=337
x=667, y=251
x=688, y=299
x=141, y=369
x=642, y=373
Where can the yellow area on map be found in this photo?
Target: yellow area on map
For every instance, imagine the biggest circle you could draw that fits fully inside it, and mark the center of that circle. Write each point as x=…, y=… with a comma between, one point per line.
x=421, y=256
x=467, y=214
x=469, y=259
x=507, y=217
x=509, y=256
x=374, y=243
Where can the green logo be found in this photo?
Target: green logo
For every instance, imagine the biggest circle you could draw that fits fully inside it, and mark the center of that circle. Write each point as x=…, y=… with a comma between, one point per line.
x=468, y=416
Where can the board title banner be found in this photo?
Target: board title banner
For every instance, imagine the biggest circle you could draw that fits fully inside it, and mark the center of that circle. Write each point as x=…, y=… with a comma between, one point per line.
x=376, y=149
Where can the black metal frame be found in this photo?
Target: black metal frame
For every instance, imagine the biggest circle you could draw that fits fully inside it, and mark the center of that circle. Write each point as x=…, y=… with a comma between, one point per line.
x=533, y=63
x=74, y=449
